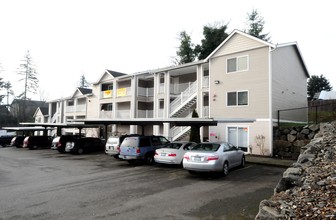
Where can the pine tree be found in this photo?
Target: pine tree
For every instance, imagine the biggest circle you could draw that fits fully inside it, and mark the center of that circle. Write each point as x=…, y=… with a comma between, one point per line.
x=27, y=69
x=256, y=24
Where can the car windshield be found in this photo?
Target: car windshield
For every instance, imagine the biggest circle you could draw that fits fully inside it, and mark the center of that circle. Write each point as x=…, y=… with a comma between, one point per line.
x=206, y=147
x=173, y=145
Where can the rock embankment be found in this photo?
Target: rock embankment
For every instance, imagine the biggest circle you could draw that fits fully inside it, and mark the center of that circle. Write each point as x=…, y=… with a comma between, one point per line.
x=307, y=189
x=288, y=141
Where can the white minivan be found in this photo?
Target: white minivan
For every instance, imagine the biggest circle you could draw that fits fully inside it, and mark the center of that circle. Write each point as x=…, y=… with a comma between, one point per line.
x=113, y=143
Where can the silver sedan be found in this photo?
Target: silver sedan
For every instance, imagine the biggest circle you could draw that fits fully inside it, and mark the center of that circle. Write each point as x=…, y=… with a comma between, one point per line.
x=213, y=157
x=173, y=152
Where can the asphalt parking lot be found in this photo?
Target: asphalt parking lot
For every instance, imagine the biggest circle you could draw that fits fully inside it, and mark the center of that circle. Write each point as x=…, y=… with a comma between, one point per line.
x=43, y=184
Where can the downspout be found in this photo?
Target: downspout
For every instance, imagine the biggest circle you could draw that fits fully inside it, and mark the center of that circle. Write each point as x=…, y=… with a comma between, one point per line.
x=270, y=101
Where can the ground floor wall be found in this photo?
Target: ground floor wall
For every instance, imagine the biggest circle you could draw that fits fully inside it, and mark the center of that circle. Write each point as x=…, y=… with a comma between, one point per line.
x=253, y=137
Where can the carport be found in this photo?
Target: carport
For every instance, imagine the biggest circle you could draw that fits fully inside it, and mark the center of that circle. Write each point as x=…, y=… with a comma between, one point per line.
x=59, y=126
x=142, y=122
x=23, y=130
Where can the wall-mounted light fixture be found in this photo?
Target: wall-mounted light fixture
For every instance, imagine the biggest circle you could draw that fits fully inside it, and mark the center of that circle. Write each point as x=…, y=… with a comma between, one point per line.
x=216, y=82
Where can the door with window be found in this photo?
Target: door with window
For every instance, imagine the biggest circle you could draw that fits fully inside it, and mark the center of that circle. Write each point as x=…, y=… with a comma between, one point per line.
x=238, y=136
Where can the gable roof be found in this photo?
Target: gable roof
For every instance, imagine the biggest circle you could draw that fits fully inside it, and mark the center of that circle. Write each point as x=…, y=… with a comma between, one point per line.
x=298, y=52
x=241, y=33
x=115, y=73
x=84, y=91
x=43, y=110
x=112, y=73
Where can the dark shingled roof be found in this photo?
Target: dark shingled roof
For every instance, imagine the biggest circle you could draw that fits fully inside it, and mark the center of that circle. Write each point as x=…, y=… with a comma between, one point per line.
x=44, y=110
x=115, y=74
x=85, y=91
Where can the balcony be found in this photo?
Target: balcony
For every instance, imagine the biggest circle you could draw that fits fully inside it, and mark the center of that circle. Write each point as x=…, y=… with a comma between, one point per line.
x=122, y=92
x=205, y=82
x=105, y=114
x=145, y=114
x=81, y=108
x=106, y=94
x=146, y=92
x=123, y=114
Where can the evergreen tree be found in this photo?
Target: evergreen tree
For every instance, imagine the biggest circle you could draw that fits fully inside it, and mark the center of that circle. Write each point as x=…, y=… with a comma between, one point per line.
x=185, y=53
x=317, y=84
x=195, y=130
x=27, y=69
x=213, y=37
x=83, y=83
x=255, y=23
x=2, y=83
x=8, y=87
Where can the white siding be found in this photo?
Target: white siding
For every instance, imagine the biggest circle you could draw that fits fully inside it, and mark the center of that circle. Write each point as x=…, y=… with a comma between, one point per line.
x=289, y=84
x=236, y=43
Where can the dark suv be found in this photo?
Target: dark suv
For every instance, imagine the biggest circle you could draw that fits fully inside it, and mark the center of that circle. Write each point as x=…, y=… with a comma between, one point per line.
x=141, y=148
x=85, y=145
x=34, y=142
x=59, y=143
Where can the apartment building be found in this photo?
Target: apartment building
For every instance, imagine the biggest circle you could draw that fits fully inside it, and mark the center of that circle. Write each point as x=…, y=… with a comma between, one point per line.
x=242, y=85
x=65, y=109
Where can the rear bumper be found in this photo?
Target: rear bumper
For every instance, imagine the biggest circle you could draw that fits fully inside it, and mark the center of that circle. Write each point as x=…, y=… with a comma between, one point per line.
x=202, y=167
x=131, y=157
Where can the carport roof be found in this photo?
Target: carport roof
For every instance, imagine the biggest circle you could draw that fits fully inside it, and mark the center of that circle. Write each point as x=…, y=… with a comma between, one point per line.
x=62, y=125
x=146, y=121
x=40, y=128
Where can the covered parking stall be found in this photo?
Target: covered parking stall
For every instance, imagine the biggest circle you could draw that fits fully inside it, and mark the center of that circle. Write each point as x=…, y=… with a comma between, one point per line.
x=58, y=126
x=143, y=122
x=28, y=130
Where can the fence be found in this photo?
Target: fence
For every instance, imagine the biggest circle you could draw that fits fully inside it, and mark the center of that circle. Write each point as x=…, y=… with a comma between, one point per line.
x=317, y=111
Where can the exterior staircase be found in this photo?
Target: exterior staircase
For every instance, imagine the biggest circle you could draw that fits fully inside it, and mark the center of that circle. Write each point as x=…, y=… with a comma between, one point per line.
x=184, y=101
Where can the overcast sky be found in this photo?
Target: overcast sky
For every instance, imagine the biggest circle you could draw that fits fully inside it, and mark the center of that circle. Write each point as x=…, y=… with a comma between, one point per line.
x=68, y=38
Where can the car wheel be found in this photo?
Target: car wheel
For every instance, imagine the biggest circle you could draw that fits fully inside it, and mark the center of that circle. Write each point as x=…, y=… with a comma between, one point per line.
x=116, y=156
x=242, y=163
x=149, y=159
x=80, y=151
x=225, y=168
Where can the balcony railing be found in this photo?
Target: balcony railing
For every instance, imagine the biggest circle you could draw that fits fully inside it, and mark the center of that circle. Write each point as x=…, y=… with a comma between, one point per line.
x=145, y=114
x=184, y=96
x=205, y=82
x=123, y=114
x=106, y=114
x=70, y=109
x=147, y=92
x=126, y=91
x=106, y=94
x=161, y=88
x=81, y=108
x=206, y=113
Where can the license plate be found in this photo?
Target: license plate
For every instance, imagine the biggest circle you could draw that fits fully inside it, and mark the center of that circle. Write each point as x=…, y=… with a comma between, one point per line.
x=163, y=154
x=197, y=159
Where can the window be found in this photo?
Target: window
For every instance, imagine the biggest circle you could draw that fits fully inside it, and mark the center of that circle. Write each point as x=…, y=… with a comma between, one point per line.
x=237, y=64
x=238, y=136
x=237, y=98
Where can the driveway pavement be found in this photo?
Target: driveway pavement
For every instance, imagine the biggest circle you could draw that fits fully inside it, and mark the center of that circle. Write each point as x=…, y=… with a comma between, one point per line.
x=43, y=184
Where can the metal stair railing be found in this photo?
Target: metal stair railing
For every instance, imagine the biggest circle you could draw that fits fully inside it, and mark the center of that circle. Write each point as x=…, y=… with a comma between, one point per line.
x=186, y=96
x=177, y=131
